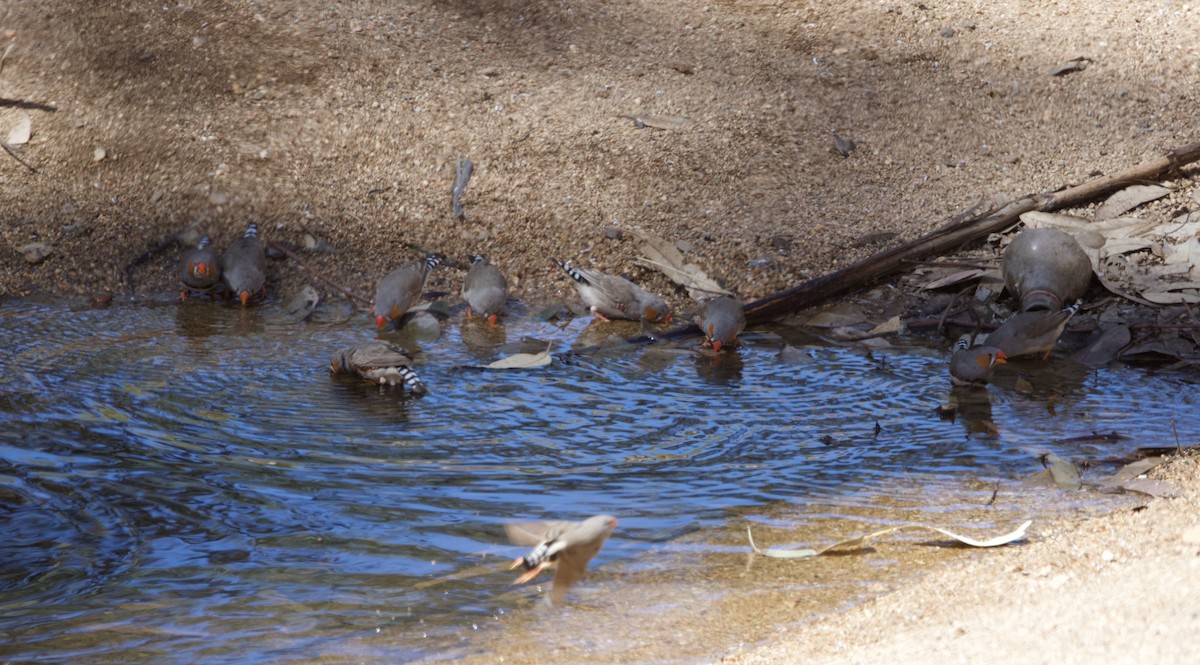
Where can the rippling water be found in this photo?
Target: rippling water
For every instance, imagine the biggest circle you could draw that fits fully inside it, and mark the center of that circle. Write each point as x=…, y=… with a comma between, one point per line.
x=188, y=482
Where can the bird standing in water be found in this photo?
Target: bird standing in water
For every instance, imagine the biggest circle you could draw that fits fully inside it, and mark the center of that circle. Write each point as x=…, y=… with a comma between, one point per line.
x=616, y=297
x=244, y=266
x=379, y=362
x=723, y=320
x=972, y=366
x=400, y=289
x=200, y=269
x=561, y=546
x=484, y=289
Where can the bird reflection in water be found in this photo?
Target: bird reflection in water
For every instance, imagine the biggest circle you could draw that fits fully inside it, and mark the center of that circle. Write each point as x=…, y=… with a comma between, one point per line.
x=720, y=368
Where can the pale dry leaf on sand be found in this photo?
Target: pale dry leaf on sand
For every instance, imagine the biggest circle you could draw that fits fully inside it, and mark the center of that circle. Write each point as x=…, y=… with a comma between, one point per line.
x=663, y=256
x=1129, y=198
x=860, y=542
x=22, y=131
x=659, y=121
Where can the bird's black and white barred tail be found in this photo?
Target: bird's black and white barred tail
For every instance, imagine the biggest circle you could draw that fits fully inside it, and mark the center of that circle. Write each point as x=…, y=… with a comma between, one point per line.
x=1074, y=309
x=962, y=344
x=412, y=381
x=541, y=554
x=432, y=261
x=572, y=271
x=251, y=231
x=477, y=258
x=204, y=242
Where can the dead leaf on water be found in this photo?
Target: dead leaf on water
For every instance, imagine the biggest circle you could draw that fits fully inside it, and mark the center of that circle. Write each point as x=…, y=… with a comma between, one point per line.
x=303, y=303
x=793, y=356
x=1106, y=348
x=1129, y=198
x=860, y=542
x=522, y=361
x=1063, y=473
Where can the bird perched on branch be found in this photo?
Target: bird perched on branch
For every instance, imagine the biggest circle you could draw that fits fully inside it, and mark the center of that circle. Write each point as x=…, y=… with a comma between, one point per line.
x=243, y=266
x=723, y=320
x=1030, y=333
x=200, y=269
x=612, y=296
x=400, y=289
x=972, y=366
x=561, y=546
x=484, y=289
x=379, y=362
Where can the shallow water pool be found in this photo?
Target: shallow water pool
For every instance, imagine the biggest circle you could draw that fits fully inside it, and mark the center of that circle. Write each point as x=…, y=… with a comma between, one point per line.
x=186, y=482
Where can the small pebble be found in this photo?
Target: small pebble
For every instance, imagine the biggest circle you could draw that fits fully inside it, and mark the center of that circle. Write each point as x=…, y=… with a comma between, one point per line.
x=35, y=252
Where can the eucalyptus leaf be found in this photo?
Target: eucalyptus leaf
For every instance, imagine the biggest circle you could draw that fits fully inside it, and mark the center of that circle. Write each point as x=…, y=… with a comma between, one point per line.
x=522, y=361
x=860, y=542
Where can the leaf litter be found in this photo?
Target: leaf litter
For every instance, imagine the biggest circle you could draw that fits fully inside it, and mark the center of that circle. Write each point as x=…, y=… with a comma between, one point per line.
x=1147, y=261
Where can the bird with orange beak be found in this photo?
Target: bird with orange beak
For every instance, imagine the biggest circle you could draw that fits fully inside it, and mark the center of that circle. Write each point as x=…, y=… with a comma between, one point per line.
x=485, y=289
x=723, y=320
x=562, y=546
x=616, y=297
x=243, y=266
x=972, y=366
x=400, y=289
x=200, y=269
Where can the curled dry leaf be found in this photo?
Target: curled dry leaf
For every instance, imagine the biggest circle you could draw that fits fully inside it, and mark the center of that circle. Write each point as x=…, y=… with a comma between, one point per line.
x=860, y=542
x=666, y=258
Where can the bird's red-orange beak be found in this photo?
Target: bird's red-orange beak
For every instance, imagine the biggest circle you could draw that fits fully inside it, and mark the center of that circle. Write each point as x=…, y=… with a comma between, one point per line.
x=717, y=344
x=1001, y=358
x=492, y=319
x=202, y=268
x=380, y=321
x=245, y=296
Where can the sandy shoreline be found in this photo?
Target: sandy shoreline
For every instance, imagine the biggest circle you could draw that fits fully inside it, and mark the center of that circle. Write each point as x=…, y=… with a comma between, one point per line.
x=1120, y=588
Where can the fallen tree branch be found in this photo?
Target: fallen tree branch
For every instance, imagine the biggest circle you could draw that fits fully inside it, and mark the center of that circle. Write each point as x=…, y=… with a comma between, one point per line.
x=352, y=296
x=13, y=153
x=957, y=233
